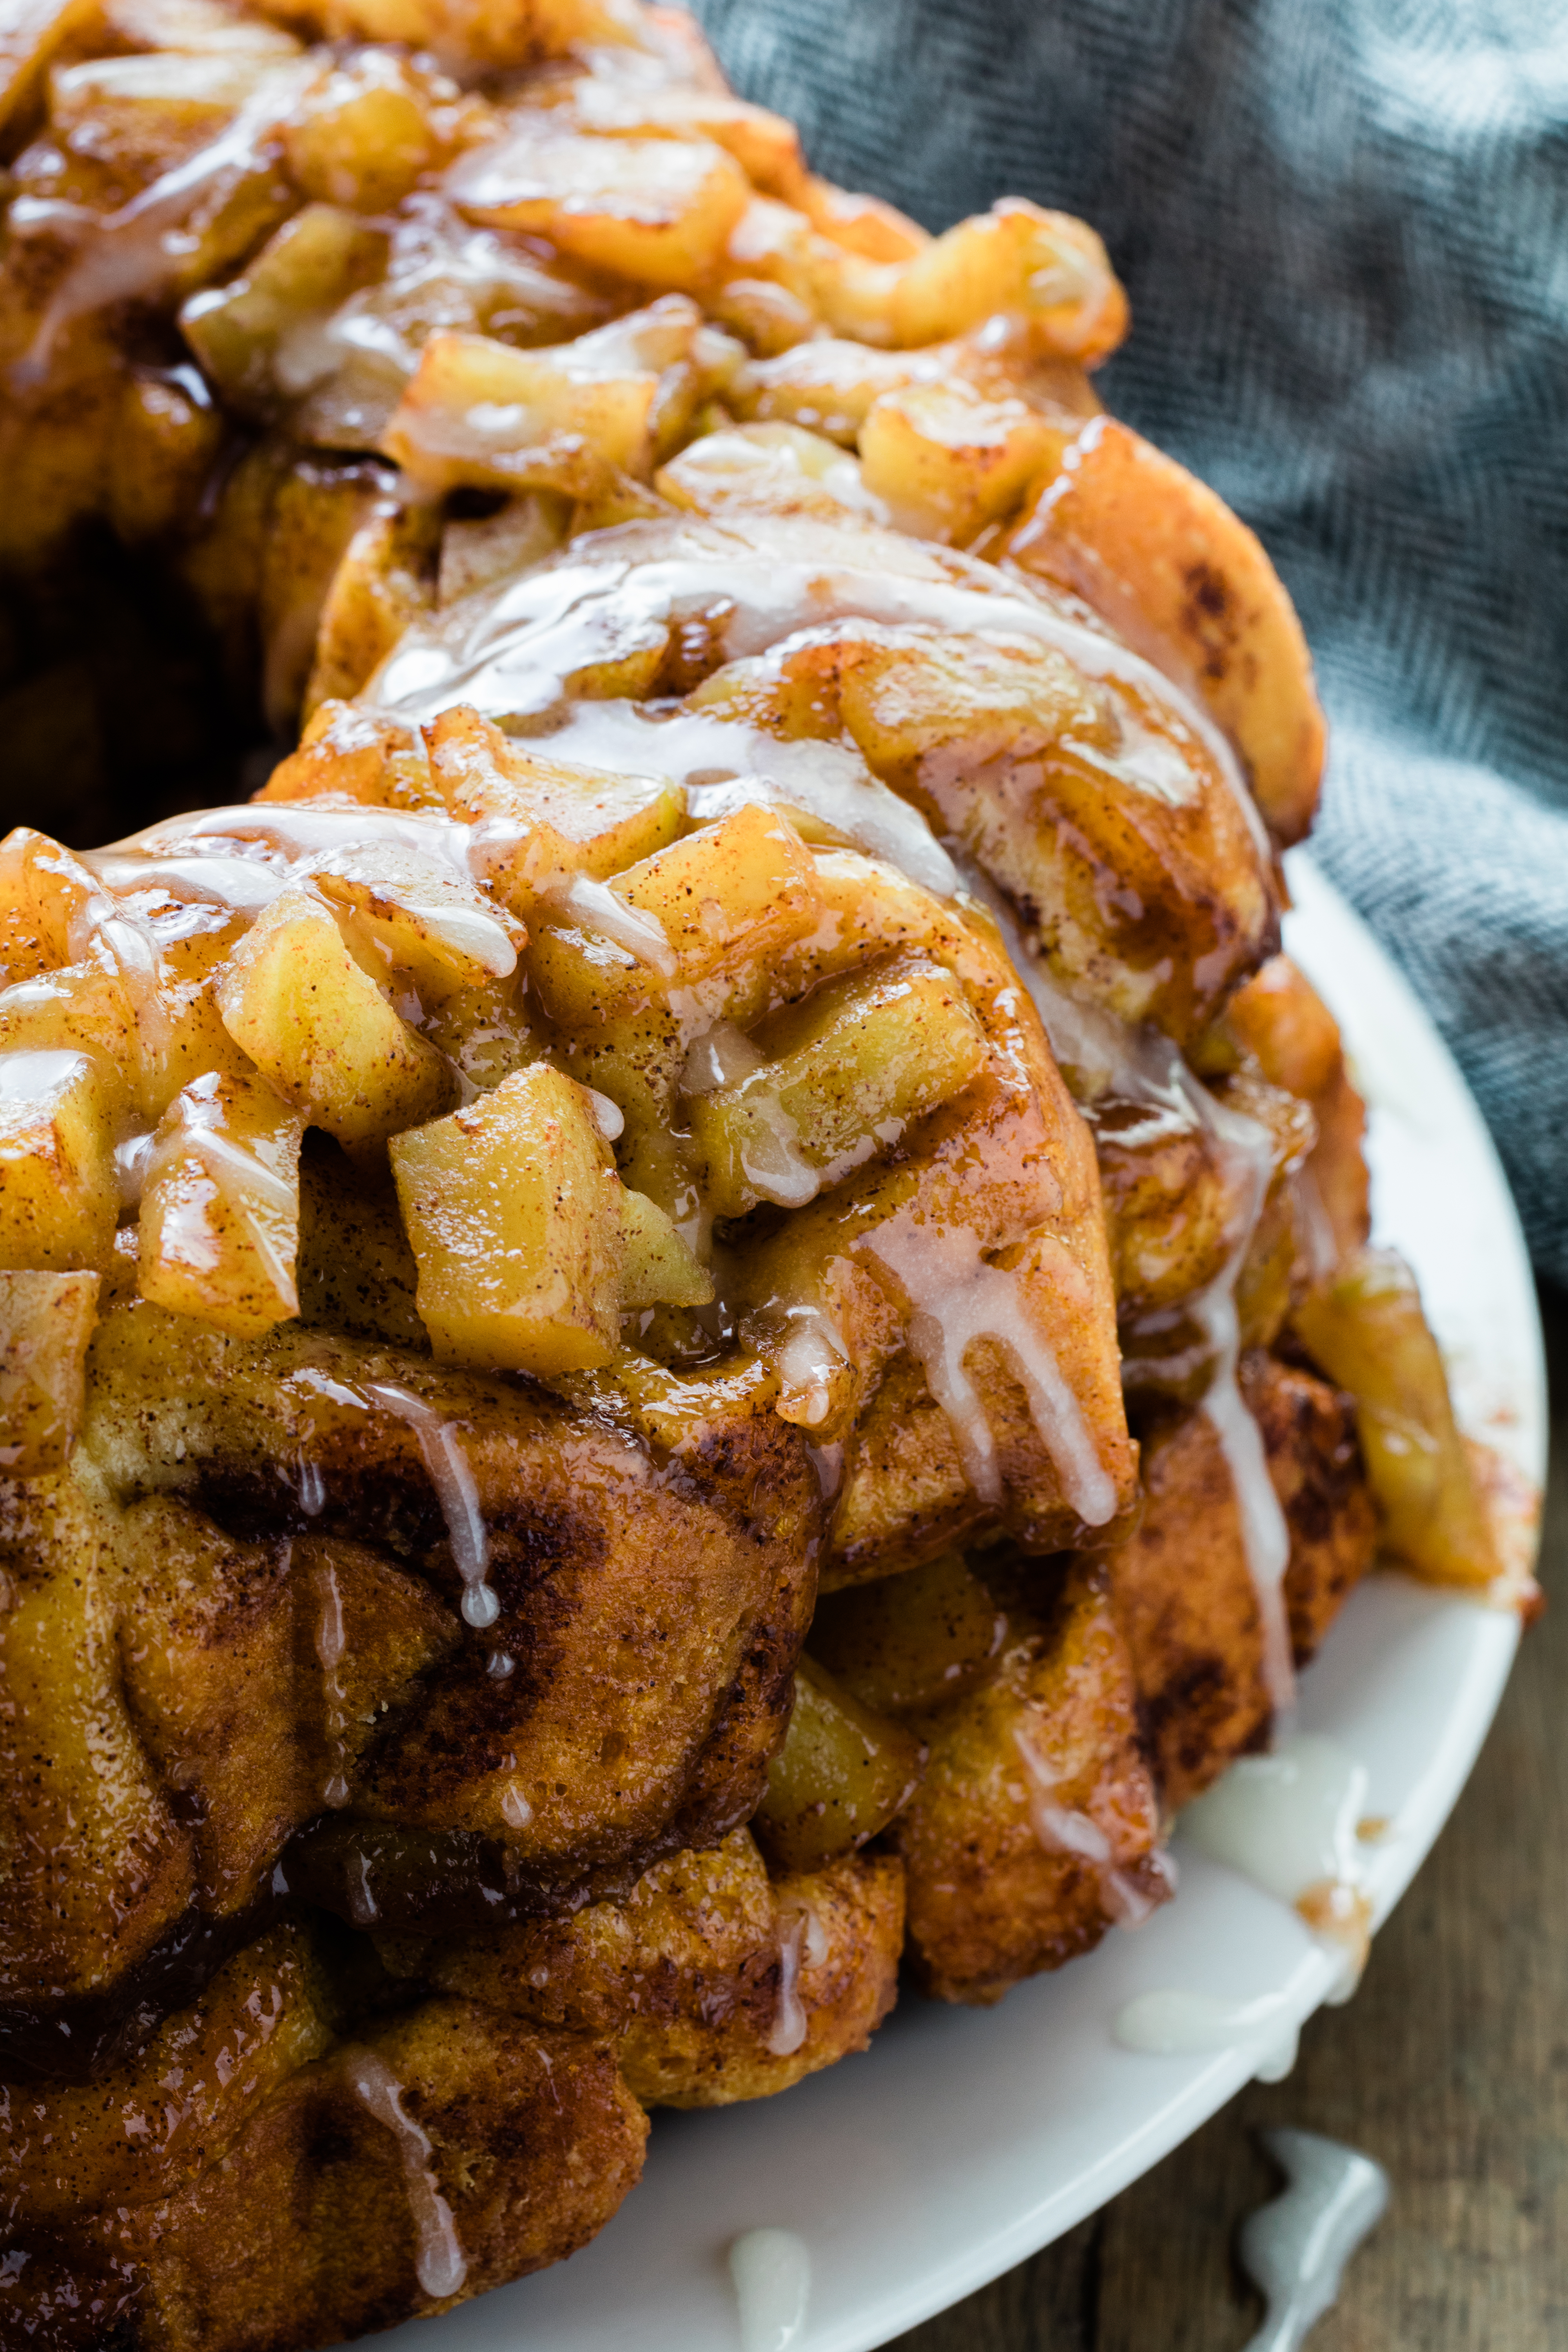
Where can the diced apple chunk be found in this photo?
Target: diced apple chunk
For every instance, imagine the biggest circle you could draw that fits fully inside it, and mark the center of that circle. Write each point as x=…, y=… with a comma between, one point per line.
x=545, y=820
x=1044, y=266
x=512, y=1209
x=79, y=1009
x=654, y=210
x=857, y=1063
x=703, y=915
x=947, y=462
x=1366, y=1330
x=765, y=146
x=263, y=332
x=293, y=998
x=780, y=466
x=58, y=1194
x=828, y=385
x=723, y=896
x=220, y=1206
x=151, y=113
x=46, y=1323
x=420, y=914
x=656, y=1268
x=479, y=413
x=345, y=750
x=32, y=34
x=362, y=137
x=841, y=1775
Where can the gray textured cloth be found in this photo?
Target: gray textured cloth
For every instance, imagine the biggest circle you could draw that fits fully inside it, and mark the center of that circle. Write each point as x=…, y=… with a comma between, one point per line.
x=1343, y=225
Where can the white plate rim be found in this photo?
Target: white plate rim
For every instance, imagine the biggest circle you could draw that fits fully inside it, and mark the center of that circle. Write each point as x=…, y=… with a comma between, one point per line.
x=880, y=2268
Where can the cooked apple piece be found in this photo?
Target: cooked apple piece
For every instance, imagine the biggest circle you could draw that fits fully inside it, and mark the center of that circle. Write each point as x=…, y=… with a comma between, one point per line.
x=362, y=136
x=768, y=318
x=866, y=1056
x=841, y=1775
x=911, y=1641
x=657, y=211
x=255, y=333
x=478, y=554
x=198, y=28
x=946, y=462
x=779, y=466
x=1366, y=1330
x=828, y=385
x=59, y=1195
x=220, y=1206
x=1173, y=1202
x=479, y=413
x=356, y=1270
x=317, y=1026
x=545, y=821
x=148, y=114
x=44, y=894
x=727, y=895
x=46, y=1323
x=1184, y=581
x=79, y=1009
x=704, y=916
x=33, y=35
x=317, y=513
x=345, y=750
x=420, y=915
x=1045, y=268
x=656, y=1266
x=863, y=224
x=765, y=146
x=512, y=1209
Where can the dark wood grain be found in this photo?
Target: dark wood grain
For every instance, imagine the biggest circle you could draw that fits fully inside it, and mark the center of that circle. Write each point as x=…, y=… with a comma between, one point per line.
x=1450, y=2066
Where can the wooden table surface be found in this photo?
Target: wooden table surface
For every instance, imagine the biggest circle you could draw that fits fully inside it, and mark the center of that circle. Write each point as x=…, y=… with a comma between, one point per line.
x=1450, y=2066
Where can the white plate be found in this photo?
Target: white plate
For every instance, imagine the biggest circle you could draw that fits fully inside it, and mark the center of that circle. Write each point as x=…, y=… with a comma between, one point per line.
x=965, y=2139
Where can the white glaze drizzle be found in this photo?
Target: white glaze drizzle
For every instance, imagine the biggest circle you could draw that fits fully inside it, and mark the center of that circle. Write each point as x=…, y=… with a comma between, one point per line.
x=957, y=1297
x=812, y=1363
x=789, y=2027
x=1172, y=2023
x=1061, y=1829
x=458, y=1496
x=1144, y=1066
x=1294, y=2248
x=140, y=247
x=772, y=2273
x=1289, y=1822
x=512, y=655
x=439, y=2263
x=724, y=764
x=596, y=908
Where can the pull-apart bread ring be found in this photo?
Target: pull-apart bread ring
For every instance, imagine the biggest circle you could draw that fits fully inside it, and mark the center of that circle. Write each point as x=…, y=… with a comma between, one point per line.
x=691, y=1315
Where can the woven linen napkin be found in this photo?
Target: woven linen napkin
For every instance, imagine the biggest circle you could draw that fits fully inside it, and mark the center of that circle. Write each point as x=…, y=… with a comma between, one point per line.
x=1343, y=225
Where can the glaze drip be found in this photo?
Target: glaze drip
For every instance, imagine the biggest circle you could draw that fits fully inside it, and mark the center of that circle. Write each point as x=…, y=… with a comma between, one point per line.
x=454, y=1484
x=956, y=1297
x=439, y=2263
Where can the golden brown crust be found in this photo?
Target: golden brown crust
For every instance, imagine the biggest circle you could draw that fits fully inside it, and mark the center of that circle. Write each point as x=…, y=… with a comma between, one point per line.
x=695, y=1974
x=1183, y=1591
x=1035, y=1822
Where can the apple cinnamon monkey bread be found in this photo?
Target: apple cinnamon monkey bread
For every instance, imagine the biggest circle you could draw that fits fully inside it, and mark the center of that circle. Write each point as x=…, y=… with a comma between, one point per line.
x=691, y=1315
